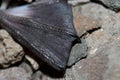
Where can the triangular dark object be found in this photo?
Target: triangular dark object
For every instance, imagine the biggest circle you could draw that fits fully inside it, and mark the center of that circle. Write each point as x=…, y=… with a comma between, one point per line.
x=44, y=28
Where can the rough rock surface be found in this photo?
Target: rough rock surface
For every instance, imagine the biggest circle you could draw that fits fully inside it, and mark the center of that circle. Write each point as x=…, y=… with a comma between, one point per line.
x=96, y=11
x=82, y=25
x=14, y=74
x=37, y=76
x=24, y=65
x=78, y=52
x=10, y=51
x=112, y=4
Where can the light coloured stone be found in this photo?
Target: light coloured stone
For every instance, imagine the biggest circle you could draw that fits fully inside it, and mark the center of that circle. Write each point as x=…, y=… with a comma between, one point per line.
x=34, y=64
x=112, y=4
x=75, y=2
x=10, y=51
x=14, y=74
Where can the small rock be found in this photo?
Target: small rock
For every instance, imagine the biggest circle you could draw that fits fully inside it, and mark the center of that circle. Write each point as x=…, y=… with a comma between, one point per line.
x=26, y=67
x=14, y=74
x=83, y=23
x=34, y=64
x=97, y=12
x=37, y=76
x=10, y=51
x=112, y=4
x=78, y=52
x=76, y=2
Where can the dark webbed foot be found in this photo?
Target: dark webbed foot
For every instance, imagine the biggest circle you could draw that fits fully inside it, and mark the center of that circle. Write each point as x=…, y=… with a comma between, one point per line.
x=44, y=28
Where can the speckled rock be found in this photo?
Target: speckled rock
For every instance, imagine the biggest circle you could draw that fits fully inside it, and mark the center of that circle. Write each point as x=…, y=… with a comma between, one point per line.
x=37, y=76
x=109, y=20
x=112, y=4
x=96, y=11
x=100, y=65
x=114, y=25
x=14, y=74
x=78, y=52
x=104, y=54
x=27, y=67
x=83, y=23
x=10, y=51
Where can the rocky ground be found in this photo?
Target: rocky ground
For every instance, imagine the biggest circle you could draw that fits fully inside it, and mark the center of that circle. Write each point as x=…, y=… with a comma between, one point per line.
x=97, y=23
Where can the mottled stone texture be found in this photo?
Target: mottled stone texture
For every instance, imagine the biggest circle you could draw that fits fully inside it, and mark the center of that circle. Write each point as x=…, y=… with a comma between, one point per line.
x=10, y=51
x=112, y=4
x=14, y=74
x=82, y=25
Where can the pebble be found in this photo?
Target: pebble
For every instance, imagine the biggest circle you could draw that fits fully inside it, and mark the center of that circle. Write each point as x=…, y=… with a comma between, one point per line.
x=112, y=4
x=76, y=2
x=84, y=23
x=9, y=54
x=14, y=73
x=34, y=64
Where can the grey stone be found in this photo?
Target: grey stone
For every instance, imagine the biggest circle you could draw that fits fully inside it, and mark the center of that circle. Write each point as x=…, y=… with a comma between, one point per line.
x=24, y=65
x=14, y=74
x=37, y=76
x=78, y=52
x=96, y=11
x=103, y=58
x=112, y=72
x=112, y=25
x=112, y=4
x=83, y=23
x=102, y=65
